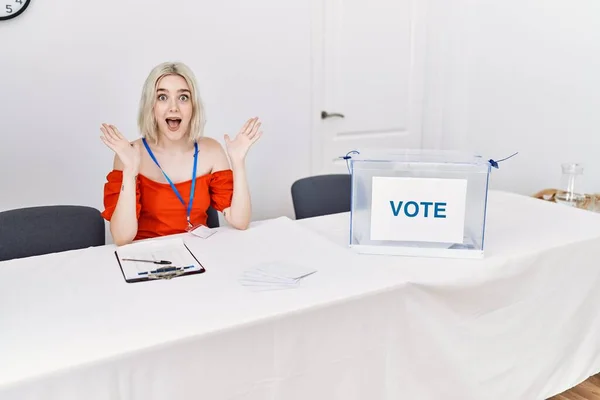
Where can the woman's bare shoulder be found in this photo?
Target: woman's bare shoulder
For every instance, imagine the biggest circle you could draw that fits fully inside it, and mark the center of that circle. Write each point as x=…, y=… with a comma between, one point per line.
x=210, y=143
x=213, y=150
x=211, y=147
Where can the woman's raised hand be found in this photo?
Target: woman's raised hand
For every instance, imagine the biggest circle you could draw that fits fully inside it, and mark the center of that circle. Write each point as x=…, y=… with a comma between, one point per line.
x=238, y=147
x=128, y=153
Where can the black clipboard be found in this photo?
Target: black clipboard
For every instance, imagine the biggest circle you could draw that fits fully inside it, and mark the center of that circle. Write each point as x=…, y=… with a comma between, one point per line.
x=165, y=276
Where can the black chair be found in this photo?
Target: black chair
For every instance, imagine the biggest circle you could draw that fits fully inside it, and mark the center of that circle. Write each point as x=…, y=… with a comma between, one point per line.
x=41, y=230
x=321, y=195
x=212, y=218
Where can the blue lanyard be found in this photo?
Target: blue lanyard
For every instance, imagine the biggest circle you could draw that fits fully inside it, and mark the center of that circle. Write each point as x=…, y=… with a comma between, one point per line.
x=189, y=206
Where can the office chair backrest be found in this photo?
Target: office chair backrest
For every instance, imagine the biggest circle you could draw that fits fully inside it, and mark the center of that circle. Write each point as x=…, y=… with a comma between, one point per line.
x=212, y=220
x=35, y=231
x=321, y=195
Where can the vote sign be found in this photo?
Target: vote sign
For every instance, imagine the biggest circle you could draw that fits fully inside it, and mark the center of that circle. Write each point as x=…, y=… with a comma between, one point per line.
x=418, y=209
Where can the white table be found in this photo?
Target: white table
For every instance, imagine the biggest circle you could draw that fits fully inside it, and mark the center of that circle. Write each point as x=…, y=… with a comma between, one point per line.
x=523, y=323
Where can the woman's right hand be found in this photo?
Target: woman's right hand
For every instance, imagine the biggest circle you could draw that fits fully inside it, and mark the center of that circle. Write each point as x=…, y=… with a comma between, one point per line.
x=128, y=153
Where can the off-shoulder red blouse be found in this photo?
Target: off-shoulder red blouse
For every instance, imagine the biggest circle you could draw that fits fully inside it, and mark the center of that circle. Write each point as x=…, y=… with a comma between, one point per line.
x=159, y=211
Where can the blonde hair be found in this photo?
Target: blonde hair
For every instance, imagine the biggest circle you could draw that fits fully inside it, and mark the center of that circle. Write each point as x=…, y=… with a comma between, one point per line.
x=146, y=121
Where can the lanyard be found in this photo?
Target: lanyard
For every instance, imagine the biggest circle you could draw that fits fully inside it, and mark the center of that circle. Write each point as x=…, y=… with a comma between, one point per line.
x=189, y=206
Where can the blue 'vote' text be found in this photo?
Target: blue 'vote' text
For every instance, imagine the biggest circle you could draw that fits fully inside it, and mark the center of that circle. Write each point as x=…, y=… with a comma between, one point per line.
x=412, y=209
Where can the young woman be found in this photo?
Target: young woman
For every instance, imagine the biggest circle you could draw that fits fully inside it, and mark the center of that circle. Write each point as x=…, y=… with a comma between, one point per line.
x=163, y=183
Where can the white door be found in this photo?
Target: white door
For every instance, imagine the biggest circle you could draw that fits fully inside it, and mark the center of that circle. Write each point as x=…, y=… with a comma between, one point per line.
x=367, y=77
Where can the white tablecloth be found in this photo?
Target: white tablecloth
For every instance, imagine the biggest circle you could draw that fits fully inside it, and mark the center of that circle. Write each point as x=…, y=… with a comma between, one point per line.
x=523, y=323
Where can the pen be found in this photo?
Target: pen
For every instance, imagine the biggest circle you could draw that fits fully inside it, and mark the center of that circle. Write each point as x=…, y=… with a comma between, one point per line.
x=165, y=269
x=161, y=262
x=159, y=270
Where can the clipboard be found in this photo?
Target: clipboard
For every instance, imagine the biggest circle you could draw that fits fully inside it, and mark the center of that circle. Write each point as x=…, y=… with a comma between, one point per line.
x=157, y=259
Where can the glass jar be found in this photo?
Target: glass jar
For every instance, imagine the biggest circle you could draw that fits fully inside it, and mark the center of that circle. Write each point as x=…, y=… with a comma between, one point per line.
x=571, y=191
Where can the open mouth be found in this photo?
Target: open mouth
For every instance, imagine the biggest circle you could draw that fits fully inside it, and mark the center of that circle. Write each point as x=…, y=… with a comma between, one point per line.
x=173, y=123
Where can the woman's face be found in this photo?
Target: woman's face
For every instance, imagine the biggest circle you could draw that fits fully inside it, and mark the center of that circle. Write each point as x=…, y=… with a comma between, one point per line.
x=173, y=107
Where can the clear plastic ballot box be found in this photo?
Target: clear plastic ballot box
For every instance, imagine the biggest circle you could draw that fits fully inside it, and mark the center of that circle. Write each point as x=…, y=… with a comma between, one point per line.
x=418, y=202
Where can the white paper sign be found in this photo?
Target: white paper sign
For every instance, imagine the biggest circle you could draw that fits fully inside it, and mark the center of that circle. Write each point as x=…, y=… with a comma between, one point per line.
x=418, y=209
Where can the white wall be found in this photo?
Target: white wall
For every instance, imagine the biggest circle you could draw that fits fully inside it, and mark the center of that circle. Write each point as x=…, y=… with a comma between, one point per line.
x=67, y=66
x=517, y=75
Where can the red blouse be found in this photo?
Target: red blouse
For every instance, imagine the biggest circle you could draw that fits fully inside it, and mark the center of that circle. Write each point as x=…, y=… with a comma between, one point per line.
x=159, y=211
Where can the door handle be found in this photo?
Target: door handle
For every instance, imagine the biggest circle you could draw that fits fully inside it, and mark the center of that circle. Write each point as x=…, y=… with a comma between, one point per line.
x=325, y=114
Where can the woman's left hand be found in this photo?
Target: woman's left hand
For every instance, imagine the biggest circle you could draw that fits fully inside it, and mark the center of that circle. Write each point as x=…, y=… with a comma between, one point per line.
x=246, y=137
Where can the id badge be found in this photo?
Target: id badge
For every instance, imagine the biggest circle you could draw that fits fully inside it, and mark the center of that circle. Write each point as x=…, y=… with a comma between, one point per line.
x=203, y=231
x=191, y=227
